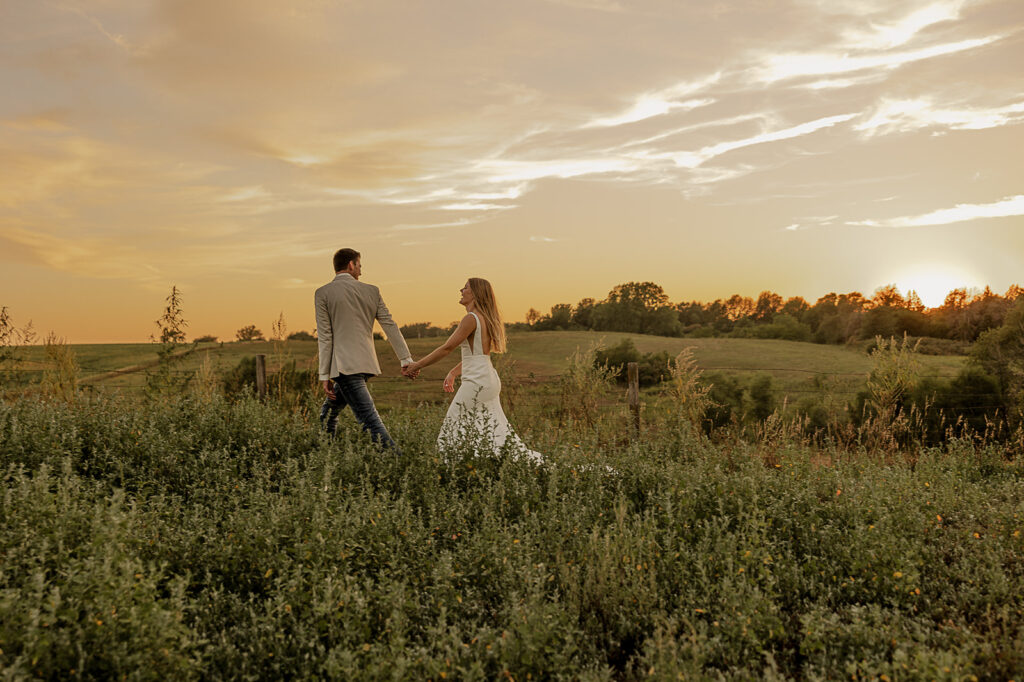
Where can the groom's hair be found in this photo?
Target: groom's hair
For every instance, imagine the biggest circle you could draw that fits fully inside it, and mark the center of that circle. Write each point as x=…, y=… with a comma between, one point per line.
x=342, y=257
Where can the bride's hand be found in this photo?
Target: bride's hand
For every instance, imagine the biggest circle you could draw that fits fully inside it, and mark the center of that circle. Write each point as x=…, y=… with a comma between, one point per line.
x=449, y=382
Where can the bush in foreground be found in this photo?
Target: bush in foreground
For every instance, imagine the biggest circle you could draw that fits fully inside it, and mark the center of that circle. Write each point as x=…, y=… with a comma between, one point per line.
x=204, y=539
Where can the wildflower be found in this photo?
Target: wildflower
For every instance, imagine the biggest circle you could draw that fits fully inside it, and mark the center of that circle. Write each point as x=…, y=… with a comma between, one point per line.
x=897, y=574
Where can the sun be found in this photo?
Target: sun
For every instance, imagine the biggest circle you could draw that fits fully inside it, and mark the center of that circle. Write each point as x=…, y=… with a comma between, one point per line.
x=933, y=282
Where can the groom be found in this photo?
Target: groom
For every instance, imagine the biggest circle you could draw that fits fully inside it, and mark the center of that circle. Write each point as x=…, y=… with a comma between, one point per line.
x=345, y=311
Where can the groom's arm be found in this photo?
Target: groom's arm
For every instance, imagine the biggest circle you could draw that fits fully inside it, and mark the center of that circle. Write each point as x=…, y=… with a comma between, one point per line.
x=393, y=333
x=324, y=335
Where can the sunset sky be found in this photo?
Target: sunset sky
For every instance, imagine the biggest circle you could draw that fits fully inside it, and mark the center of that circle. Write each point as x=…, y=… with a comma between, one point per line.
x=555, y=147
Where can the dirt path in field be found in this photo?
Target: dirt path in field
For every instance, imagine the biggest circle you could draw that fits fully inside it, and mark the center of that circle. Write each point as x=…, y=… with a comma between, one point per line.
x=132, y=369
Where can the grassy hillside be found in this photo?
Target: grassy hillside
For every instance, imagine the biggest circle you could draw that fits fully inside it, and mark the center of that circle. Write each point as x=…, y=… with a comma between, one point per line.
x=797, y=369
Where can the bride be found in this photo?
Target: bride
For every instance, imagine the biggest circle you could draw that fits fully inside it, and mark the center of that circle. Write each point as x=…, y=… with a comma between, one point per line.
x=477, y=404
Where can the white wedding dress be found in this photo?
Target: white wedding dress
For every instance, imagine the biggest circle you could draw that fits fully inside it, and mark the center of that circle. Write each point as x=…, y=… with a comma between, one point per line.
x=475, y=420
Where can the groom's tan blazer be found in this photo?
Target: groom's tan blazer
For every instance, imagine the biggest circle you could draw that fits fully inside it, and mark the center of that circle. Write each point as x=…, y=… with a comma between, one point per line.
x=345, y=311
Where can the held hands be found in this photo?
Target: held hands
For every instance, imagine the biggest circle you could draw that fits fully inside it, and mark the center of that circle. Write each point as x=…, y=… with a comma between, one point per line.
x=411, y=371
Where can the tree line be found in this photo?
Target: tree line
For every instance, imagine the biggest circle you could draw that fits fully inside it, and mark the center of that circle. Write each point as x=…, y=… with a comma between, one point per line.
x=645, y=308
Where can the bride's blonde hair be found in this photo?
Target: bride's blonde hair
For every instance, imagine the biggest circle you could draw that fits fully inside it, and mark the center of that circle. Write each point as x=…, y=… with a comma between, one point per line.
x=487, y=307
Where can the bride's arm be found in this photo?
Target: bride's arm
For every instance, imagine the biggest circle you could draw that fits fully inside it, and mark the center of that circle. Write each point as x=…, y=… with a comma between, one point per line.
x=449, y=381
x=461, y=333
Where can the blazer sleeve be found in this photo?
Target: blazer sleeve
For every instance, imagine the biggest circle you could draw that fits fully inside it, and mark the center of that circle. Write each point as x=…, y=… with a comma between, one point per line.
x=324, y=335
x=392, y=331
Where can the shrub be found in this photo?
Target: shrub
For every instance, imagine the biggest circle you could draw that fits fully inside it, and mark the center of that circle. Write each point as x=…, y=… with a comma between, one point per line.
x=249, y=333
x=653, y=367
x=187, y=539
x=689, y=393
x=286, y=383
x=582, y=385
x=782, y=326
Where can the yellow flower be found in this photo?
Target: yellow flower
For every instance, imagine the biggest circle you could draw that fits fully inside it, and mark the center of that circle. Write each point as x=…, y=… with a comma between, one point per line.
x=897, y=574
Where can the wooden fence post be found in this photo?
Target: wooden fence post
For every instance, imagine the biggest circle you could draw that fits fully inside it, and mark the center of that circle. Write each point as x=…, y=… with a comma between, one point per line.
x=633, y=373
x=261, y=375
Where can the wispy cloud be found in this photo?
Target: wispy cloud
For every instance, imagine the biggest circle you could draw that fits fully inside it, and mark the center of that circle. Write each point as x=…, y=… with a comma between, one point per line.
x=1010, y=206
x=916, y=114
x=89, y=256
x=699, y=157
x=660, y=102
x=888, y=35
x=648, y=106
x=435, y=226
x=805, y=64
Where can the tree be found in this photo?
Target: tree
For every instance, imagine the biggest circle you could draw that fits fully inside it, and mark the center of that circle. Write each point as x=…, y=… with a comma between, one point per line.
x=999, y=352
x=641, y=294
x=737, y=307
x=249, y=333
x=301, y=335
x=691, y=313
x=171, y=335
x=768, y=304
x=583, y=313
x=171, y=325
x=795, y=307
x=888, y=297
x=559, y=319
x=419, y=330
x=663, y=321
x=532, y=315
x=561, y=316
x=914, y=302
x=956, y=299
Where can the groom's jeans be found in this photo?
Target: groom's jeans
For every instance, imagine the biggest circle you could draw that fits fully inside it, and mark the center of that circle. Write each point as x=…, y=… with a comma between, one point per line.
x=350, y=390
